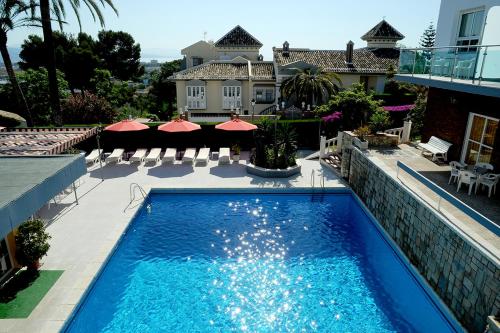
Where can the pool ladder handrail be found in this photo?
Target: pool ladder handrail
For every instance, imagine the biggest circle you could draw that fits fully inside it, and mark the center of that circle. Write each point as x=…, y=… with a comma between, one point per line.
x=321, y=180
x=132, y=191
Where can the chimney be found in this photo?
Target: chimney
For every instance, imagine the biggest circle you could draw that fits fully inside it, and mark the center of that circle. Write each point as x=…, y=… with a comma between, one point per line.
x=348, y=52
x=286, y=49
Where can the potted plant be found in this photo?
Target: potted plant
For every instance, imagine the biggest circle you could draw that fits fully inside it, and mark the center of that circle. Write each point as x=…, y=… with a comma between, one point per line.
x=360, y=139
x=236, y=152
x=32, y=244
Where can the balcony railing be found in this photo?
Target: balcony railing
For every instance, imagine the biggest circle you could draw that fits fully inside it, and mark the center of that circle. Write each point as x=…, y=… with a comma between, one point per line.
x=475, y=63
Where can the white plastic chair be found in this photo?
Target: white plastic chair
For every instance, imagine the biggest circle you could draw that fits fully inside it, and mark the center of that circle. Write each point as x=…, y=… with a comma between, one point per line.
x=456, y=167
x=169, y=156
x=466, y=177
x=463, y=69
x=490, y=181
x=483, y=165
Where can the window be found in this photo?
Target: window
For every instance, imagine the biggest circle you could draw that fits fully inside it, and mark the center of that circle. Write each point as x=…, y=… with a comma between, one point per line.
x=231, y=97
x=196, y=97
x=197, y=61
x=471, y=26
x=264, y=95
x=480, y=138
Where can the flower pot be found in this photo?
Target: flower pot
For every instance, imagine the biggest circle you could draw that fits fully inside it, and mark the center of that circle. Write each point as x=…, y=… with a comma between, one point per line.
x=34, y=266
x=363, y=145
x=236, y=158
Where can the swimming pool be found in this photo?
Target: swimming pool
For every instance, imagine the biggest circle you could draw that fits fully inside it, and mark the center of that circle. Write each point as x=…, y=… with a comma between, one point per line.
x=258, y=263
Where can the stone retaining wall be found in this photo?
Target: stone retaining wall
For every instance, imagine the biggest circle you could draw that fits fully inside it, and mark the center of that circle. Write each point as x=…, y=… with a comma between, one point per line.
x=465, y=278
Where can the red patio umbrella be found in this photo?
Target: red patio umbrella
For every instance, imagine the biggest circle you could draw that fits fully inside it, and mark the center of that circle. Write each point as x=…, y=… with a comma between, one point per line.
x=126, y=126
x=179, y=125
x=236, y=124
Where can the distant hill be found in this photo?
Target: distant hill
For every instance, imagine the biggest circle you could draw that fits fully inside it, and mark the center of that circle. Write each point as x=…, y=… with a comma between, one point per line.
x=14, y=54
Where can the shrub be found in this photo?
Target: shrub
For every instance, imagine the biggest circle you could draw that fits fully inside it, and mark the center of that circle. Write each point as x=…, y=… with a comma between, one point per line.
x=379, y=121
x=362, y=132
x=87, y=108
x=275, y=154
x=32, y=243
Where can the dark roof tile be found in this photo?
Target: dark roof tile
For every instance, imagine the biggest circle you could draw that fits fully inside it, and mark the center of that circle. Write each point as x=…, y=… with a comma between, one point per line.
x=366, y=60
x=383, y=30
x=238, y=37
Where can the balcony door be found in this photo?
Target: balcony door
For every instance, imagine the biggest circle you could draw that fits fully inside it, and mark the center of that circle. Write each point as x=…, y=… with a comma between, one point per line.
x=479, y=139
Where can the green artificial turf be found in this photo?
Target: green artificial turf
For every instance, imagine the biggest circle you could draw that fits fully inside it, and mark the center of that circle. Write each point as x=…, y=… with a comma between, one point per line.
x=24, y=291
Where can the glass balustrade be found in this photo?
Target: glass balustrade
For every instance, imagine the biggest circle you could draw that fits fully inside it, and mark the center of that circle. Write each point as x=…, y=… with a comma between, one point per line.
x=479, y=64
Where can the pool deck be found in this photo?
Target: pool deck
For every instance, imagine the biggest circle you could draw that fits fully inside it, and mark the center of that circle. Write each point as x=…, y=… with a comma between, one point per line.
x=84, y=235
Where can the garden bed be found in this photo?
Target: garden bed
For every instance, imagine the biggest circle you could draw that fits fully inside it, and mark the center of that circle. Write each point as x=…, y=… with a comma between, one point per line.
x=273, y=173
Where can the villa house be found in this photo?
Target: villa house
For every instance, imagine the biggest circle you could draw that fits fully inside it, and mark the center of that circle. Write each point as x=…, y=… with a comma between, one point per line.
x=463, y=105
x=224, y=77
x=236, y=43
x=366, y=65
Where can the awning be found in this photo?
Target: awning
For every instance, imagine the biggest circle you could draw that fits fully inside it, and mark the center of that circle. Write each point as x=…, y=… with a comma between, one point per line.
x=28, y=183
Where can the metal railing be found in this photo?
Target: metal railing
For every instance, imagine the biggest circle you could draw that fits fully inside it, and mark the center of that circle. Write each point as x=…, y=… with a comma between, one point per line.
x=444, y=195
x=476, y=63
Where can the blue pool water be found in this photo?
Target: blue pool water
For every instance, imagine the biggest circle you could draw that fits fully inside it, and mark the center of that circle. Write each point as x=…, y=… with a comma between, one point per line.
x=255, y=263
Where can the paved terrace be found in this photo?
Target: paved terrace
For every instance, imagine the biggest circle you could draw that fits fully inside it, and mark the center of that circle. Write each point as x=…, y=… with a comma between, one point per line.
x=84, y=235
x=439, y=174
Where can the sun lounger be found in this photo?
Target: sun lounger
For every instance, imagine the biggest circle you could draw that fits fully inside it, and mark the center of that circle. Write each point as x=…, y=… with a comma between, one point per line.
x=116, y=156
x=154, y=155
x=189, y=155
x=170, y=155
x=203, y=156
x=139, y=155
x=93, y=157
x=224, y=156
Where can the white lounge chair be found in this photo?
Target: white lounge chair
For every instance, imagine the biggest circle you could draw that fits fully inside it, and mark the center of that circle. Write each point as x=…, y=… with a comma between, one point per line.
x=139, y=155
x=203, y=156
x=224, y=156
x=116, y=156
x=153, y=156
x=189, y=155
x=169, y=156
x=437, y=147
x=93, y=157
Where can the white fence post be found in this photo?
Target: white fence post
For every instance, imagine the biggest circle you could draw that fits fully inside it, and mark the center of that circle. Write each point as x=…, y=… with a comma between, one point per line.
x=405, y=138
x=340, y=139
x=322, y=143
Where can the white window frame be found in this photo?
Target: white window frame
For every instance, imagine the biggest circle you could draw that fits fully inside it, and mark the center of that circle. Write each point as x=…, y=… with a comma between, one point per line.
x=459, y=25
x=467, y=135
x=196, y=97
x=264, y=93
x=231, y=97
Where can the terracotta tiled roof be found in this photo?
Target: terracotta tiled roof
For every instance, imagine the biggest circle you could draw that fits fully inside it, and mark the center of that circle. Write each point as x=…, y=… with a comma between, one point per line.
x=366, y=60
x=383, y=30
x=238, y=37
x=226, y=70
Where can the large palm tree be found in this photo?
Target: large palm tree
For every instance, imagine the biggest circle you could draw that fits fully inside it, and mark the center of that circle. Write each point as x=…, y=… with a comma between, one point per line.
x=57, y=7
x=14, y=14
x=310, y=85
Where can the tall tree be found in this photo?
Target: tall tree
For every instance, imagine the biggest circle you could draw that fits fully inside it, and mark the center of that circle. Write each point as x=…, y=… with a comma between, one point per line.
x=311, y=85
x=13, y=14
x=163, y=90
x=57, y=6
x=120, y=53
x=428, y=38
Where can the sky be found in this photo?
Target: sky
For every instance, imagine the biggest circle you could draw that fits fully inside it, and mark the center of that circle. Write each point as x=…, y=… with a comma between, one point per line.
x=164, y=27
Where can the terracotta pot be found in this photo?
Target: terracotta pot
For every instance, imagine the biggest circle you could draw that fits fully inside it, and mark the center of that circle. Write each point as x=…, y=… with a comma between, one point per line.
x=34, y=266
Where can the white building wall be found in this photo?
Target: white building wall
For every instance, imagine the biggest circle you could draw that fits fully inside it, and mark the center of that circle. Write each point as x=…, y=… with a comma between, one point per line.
x=449, y=18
